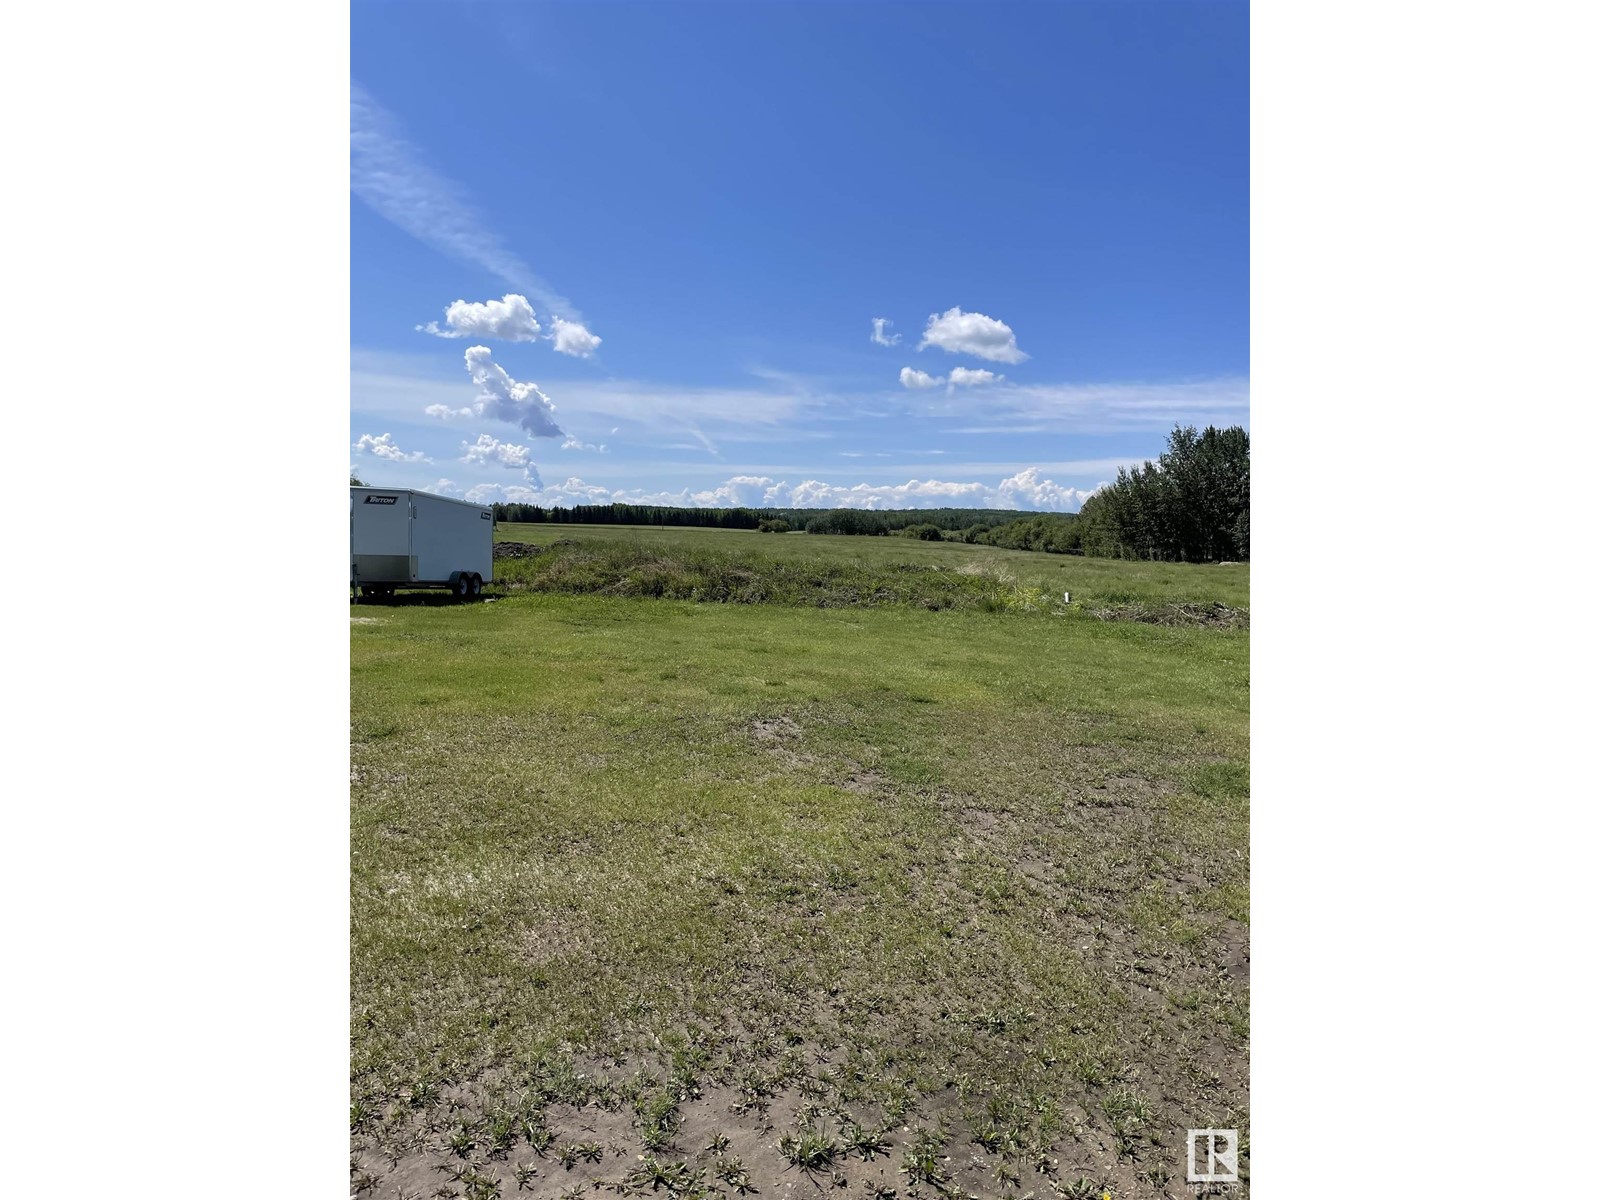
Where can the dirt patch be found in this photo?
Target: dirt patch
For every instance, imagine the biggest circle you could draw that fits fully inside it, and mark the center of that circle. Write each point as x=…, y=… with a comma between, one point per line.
x=1122, y=791
x=516, y=549
x=556, y=937
x=771, y=730
x=1214, y=616
x=720, y=1143
x=864, y=781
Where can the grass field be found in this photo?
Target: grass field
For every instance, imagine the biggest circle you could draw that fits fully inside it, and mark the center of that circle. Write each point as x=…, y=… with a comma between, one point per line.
x=1096, y=580
x=696, y=899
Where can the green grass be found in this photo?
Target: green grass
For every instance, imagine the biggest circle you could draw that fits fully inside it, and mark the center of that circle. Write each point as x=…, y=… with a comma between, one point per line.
x=1093, y=581
x=985, y=869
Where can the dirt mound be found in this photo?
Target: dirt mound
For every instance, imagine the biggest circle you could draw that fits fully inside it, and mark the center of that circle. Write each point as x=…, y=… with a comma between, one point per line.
x=1214, y=615
x=516, y=549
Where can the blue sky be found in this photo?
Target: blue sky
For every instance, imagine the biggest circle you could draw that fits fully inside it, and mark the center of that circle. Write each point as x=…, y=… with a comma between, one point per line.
x=670, y=228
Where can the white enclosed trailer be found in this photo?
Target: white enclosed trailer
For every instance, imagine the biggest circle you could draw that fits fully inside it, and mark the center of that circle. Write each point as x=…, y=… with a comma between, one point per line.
x=400, y=538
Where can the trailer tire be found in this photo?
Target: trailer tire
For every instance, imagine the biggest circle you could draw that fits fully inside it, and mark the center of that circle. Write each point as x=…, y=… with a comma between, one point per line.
x=460, y=584
x=475, y=585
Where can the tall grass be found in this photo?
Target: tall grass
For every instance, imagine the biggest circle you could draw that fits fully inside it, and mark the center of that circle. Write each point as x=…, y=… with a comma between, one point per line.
x=713, y=575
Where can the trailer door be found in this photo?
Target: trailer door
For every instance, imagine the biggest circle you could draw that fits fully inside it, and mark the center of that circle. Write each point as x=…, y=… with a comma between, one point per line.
x=381, y=528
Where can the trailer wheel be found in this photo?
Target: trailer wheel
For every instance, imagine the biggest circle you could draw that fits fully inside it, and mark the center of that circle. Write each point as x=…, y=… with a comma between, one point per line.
x=475, y=586
x=460, y=584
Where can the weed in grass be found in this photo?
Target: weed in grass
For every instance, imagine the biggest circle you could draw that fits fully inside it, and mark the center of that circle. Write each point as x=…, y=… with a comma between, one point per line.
x=658, y=1119
x=923, y=1162
x=731, y=1171
x=537, y=1135
x=866, y=1142
x=573, y=1153
x=501, y=1133
x=1128, y=1113
x=1004, y=1127
x=1082, y=1188
x=897, y=1100
x=675, y=1177
x=461, y=1141
x=810, y=1150
x=718, y=1145
x=525, y=1176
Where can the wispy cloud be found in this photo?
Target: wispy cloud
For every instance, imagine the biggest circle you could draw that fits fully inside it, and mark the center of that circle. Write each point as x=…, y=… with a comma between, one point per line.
x=880, y=334
x=386, y=386
x=390, y=176
x=1005, y=408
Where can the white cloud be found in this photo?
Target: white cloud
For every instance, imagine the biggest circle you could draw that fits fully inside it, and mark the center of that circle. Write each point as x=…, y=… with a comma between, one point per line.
x=388, y=173
x=502, y=398
x=494, y=493
x=487, y=452
x=445, y=413
x=929, y=493
x=572, y=338
x=962, y=377
x=1024, y=490
x=910, y=377
x=443, y=487
x=879, y=335
x=573, y=443
x=509, y=319
x=956, y=332
x=917, y=380
x=573, y=491
x=383, y=447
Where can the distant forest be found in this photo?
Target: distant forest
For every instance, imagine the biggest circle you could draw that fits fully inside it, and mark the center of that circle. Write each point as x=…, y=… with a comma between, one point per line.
x=1193, y=505
x=812, y=520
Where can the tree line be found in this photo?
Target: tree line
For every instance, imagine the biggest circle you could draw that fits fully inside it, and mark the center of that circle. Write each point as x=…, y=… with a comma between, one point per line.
x=1191, y=505
x=833, y=520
